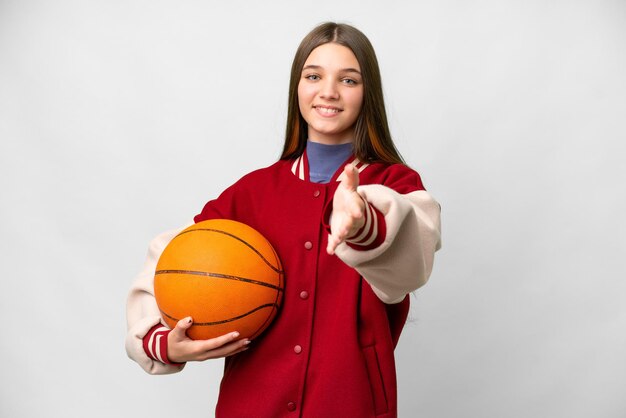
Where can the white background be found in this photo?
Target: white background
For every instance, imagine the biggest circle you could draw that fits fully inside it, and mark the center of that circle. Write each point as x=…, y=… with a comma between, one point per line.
x=120, y=119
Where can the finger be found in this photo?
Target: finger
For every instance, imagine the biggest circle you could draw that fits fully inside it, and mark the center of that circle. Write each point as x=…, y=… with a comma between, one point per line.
x=330, y=248
x=332, y=245
x=227, y=349
x=351, y=177
x=218, y=342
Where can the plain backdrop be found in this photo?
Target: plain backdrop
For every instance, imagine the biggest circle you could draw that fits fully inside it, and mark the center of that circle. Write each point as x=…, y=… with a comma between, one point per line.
x=120, y=119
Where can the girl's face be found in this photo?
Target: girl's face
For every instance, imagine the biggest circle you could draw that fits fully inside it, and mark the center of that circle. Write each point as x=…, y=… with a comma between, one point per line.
x=330, y=93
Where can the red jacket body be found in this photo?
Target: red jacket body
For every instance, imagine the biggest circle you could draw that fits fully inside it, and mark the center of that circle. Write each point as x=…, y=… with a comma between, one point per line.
x=329, y=352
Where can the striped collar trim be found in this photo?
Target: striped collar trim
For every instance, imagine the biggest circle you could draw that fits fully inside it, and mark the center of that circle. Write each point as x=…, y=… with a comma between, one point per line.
x=300, y=167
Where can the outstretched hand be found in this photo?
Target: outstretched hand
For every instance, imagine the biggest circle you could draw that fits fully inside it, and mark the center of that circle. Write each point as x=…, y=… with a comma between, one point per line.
x=181, y=348
x=348, y=214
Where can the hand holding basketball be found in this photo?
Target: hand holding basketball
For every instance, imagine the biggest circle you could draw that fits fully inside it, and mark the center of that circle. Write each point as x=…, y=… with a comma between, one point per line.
x=348, y=210
x=182, y=349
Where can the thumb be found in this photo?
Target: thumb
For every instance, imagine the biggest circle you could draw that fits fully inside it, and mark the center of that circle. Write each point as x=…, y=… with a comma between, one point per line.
x=182, y=326
x=351, y=179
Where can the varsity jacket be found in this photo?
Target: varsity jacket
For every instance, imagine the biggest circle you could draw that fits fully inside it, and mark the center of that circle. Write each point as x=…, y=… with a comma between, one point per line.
x=329, y=352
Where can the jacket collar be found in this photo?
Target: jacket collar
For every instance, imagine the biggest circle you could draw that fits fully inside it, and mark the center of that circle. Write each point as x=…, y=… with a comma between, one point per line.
x=300, y=167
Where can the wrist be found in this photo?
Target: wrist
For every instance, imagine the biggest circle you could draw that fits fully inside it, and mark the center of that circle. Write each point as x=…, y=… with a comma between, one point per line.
x=372, y=232
x=156, y=342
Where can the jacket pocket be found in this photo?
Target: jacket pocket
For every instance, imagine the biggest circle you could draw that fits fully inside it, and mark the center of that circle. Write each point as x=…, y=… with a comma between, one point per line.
x=375, y=379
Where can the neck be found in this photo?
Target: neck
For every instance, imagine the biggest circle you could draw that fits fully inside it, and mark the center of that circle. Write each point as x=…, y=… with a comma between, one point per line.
x=343, y=138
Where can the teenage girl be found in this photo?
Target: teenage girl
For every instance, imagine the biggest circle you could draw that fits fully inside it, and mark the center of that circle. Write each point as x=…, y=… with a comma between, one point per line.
x=356, y=233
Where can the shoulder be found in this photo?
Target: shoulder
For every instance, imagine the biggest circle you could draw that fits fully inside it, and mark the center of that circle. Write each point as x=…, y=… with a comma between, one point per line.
x=263, y=174
x=400, y=177
x=241, y=194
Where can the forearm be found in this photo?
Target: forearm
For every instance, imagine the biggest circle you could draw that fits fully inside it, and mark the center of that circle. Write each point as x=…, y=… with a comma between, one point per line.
x=404, y=259
x=142, y=312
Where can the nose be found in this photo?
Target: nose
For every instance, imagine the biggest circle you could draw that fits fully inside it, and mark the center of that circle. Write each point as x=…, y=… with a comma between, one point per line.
x=328, y=89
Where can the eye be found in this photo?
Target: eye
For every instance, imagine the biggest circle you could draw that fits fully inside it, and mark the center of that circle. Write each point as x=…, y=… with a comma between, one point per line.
x=349, y=81
x=312, y=77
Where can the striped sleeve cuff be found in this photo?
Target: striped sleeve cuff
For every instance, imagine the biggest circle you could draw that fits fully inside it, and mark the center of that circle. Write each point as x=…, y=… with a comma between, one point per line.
x=155, y=344
x=373, y=232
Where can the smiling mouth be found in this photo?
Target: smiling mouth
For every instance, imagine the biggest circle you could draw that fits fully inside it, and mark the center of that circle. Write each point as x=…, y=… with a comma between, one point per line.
x=327, y=110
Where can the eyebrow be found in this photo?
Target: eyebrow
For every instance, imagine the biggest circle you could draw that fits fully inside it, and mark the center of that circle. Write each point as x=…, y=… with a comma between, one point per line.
x=318, y=67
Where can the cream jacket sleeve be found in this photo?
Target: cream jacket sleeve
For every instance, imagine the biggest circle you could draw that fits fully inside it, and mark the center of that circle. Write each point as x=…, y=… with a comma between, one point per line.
x=404, y=261
x=142, y=312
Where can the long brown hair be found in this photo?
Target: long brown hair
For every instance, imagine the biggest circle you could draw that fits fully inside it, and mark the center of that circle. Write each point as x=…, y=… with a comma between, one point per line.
x=372, y=139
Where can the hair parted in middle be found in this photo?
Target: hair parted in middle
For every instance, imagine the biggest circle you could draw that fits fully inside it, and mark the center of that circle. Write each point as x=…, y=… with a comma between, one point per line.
x=372, y=140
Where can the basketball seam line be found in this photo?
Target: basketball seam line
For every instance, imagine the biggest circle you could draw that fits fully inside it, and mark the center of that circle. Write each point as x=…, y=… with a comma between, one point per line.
x=274, y=310
x=238, y=239
x=219, y=276
x=268, y=305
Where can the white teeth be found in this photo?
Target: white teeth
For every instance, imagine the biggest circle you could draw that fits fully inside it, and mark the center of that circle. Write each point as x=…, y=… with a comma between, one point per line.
x=327, y=110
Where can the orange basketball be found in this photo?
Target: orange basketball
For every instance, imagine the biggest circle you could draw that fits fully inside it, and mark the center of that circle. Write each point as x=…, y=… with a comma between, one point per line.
x=222, y=273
